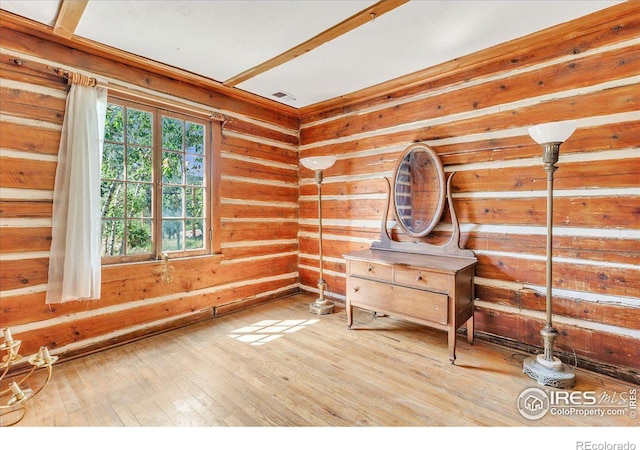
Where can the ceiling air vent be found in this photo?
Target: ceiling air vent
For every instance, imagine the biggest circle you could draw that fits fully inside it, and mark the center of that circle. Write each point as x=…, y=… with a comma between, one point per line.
x=284, y=96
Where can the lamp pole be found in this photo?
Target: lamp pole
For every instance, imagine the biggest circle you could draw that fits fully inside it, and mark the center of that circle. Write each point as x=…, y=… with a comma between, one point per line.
x=318, y=164
x=546, y=369
x=321, y=306
x=549, y=333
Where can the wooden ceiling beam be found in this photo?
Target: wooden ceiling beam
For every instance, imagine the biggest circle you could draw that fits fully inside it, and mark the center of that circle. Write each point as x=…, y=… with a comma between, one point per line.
x=358, y=19
x=68, y=17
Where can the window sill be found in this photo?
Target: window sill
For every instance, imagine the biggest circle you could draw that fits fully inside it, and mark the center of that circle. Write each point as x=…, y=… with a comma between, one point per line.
x=214, y=256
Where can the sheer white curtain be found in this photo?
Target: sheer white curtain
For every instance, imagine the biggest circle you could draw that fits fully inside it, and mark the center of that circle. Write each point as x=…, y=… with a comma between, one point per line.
x=74, y=263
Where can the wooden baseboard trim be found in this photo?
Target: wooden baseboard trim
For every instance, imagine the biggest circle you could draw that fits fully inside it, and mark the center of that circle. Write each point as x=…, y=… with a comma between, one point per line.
x=627, y=374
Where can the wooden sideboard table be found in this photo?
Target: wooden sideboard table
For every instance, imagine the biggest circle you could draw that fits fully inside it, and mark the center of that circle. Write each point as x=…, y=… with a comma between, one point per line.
x=433, y=290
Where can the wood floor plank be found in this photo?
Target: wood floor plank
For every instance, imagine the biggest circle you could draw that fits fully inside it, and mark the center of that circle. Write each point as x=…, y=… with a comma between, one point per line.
x=277, y=365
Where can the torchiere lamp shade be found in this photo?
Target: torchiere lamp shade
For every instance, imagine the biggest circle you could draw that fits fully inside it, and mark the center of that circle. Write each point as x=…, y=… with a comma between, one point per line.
x=553, y=131
x=318, y=162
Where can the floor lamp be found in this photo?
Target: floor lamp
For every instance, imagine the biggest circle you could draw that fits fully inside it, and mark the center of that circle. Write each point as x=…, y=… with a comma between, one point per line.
x=318, y=164
x=546, y=369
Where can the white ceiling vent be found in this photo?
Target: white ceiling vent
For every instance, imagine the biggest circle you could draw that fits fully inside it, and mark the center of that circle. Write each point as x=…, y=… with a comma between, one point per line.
x=284, y=96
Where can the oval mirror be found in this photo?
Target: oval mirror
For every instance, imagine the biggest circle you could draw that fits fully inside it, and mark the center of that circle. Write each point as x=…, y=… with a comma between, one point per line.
x=419, y=190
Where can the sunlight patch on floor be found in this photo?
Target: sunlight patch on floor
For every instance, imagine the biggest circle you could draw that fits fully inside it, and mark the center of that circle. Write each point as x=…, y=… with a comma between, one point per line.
x=266, y=331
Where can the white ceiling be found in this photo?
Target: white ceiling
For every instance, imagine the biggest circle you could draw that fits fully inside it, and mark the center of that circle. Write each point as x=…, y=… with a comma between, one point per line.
x=219, y=39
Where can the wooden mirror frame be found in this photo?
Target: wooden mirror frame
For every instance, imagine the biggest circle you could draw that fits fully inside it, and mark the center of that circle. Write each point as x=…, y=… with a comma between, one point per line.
x=451, y=247
x=434, y=159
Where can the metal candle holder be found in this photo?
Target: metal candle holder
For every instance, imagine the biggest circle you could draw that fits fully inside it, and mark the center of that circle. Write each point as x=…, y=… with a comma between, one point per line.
x=15, y=395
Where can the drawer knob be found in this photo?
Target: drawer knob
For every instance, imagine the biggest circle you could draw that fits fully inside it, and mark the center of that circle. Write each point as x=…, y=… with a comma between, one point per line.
x=356, y=289
x=419, y=277
x=370, y=269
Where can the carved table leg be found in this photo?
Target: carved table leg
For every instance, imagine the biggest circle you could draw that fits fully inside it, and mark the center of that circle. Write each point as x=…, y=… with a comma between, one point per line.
x=349, y=309
x=452, y=346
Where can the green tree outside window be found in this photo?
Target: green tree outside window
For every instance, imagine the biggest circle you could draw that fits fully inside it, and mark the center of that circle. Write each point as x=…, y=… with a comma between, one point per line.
x=129, y=183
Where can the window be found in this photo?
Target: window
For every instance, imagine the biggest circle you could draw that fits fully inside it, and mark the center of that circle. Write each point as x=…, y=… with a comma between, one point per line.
x=156, y=183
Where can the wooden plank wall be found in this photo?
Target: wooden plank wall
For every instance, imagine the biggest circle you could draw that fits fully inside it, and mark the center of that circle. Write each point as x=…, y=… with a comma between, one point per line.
x=258, y=204
x=475, y=112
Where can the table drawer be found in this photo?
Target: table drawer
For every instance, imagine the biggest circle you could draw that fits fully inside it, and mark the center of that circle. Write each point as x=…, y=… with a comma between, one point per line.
x=391, y=299
x=422, y=279
x=365, y=269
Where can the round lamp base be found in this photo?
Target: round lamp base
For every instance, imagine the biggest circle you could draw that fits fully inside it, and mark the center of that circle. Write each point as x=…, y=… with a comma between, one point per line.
x=321, y=308
x=557, y=374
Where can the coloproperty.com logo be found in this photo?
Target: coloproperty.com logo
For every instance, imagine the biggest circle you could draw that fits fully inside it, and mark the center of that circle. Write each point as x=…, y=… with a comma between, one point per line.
x=535, y=403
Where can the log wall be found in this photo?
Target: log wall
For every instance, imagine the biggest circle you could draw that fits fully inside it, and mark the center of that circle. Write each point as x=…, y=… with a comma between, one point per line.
x=474, y=112
x=258, y=206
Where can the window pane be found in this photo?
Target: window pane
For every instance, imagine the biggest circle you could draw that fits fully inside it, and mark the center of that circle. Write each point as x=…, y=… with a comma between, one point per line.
x=139, y=163
x=195, y=170
x=195, y=138
x=139, y=200
x=172, y=235
x=195, y=202
x=139, y=127
x=172, y=133
x=153, y=199
x=138, y=236
x=112, y=199
x=112, y=237
x=172, y=201
x=114, y=126
x=172, y=168
x=195, y=234
x=112, y=161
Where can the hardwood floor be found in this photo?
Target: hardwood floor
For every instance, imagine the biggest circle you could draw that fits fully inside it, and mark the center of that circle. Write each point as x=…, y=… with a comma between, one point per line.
x=277, y=365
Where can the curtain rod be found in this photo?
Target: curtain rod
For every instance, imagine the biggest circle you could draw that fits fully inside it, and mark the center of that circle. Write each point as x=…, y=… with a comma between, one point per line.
x=86, y=80
x=77, y=78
